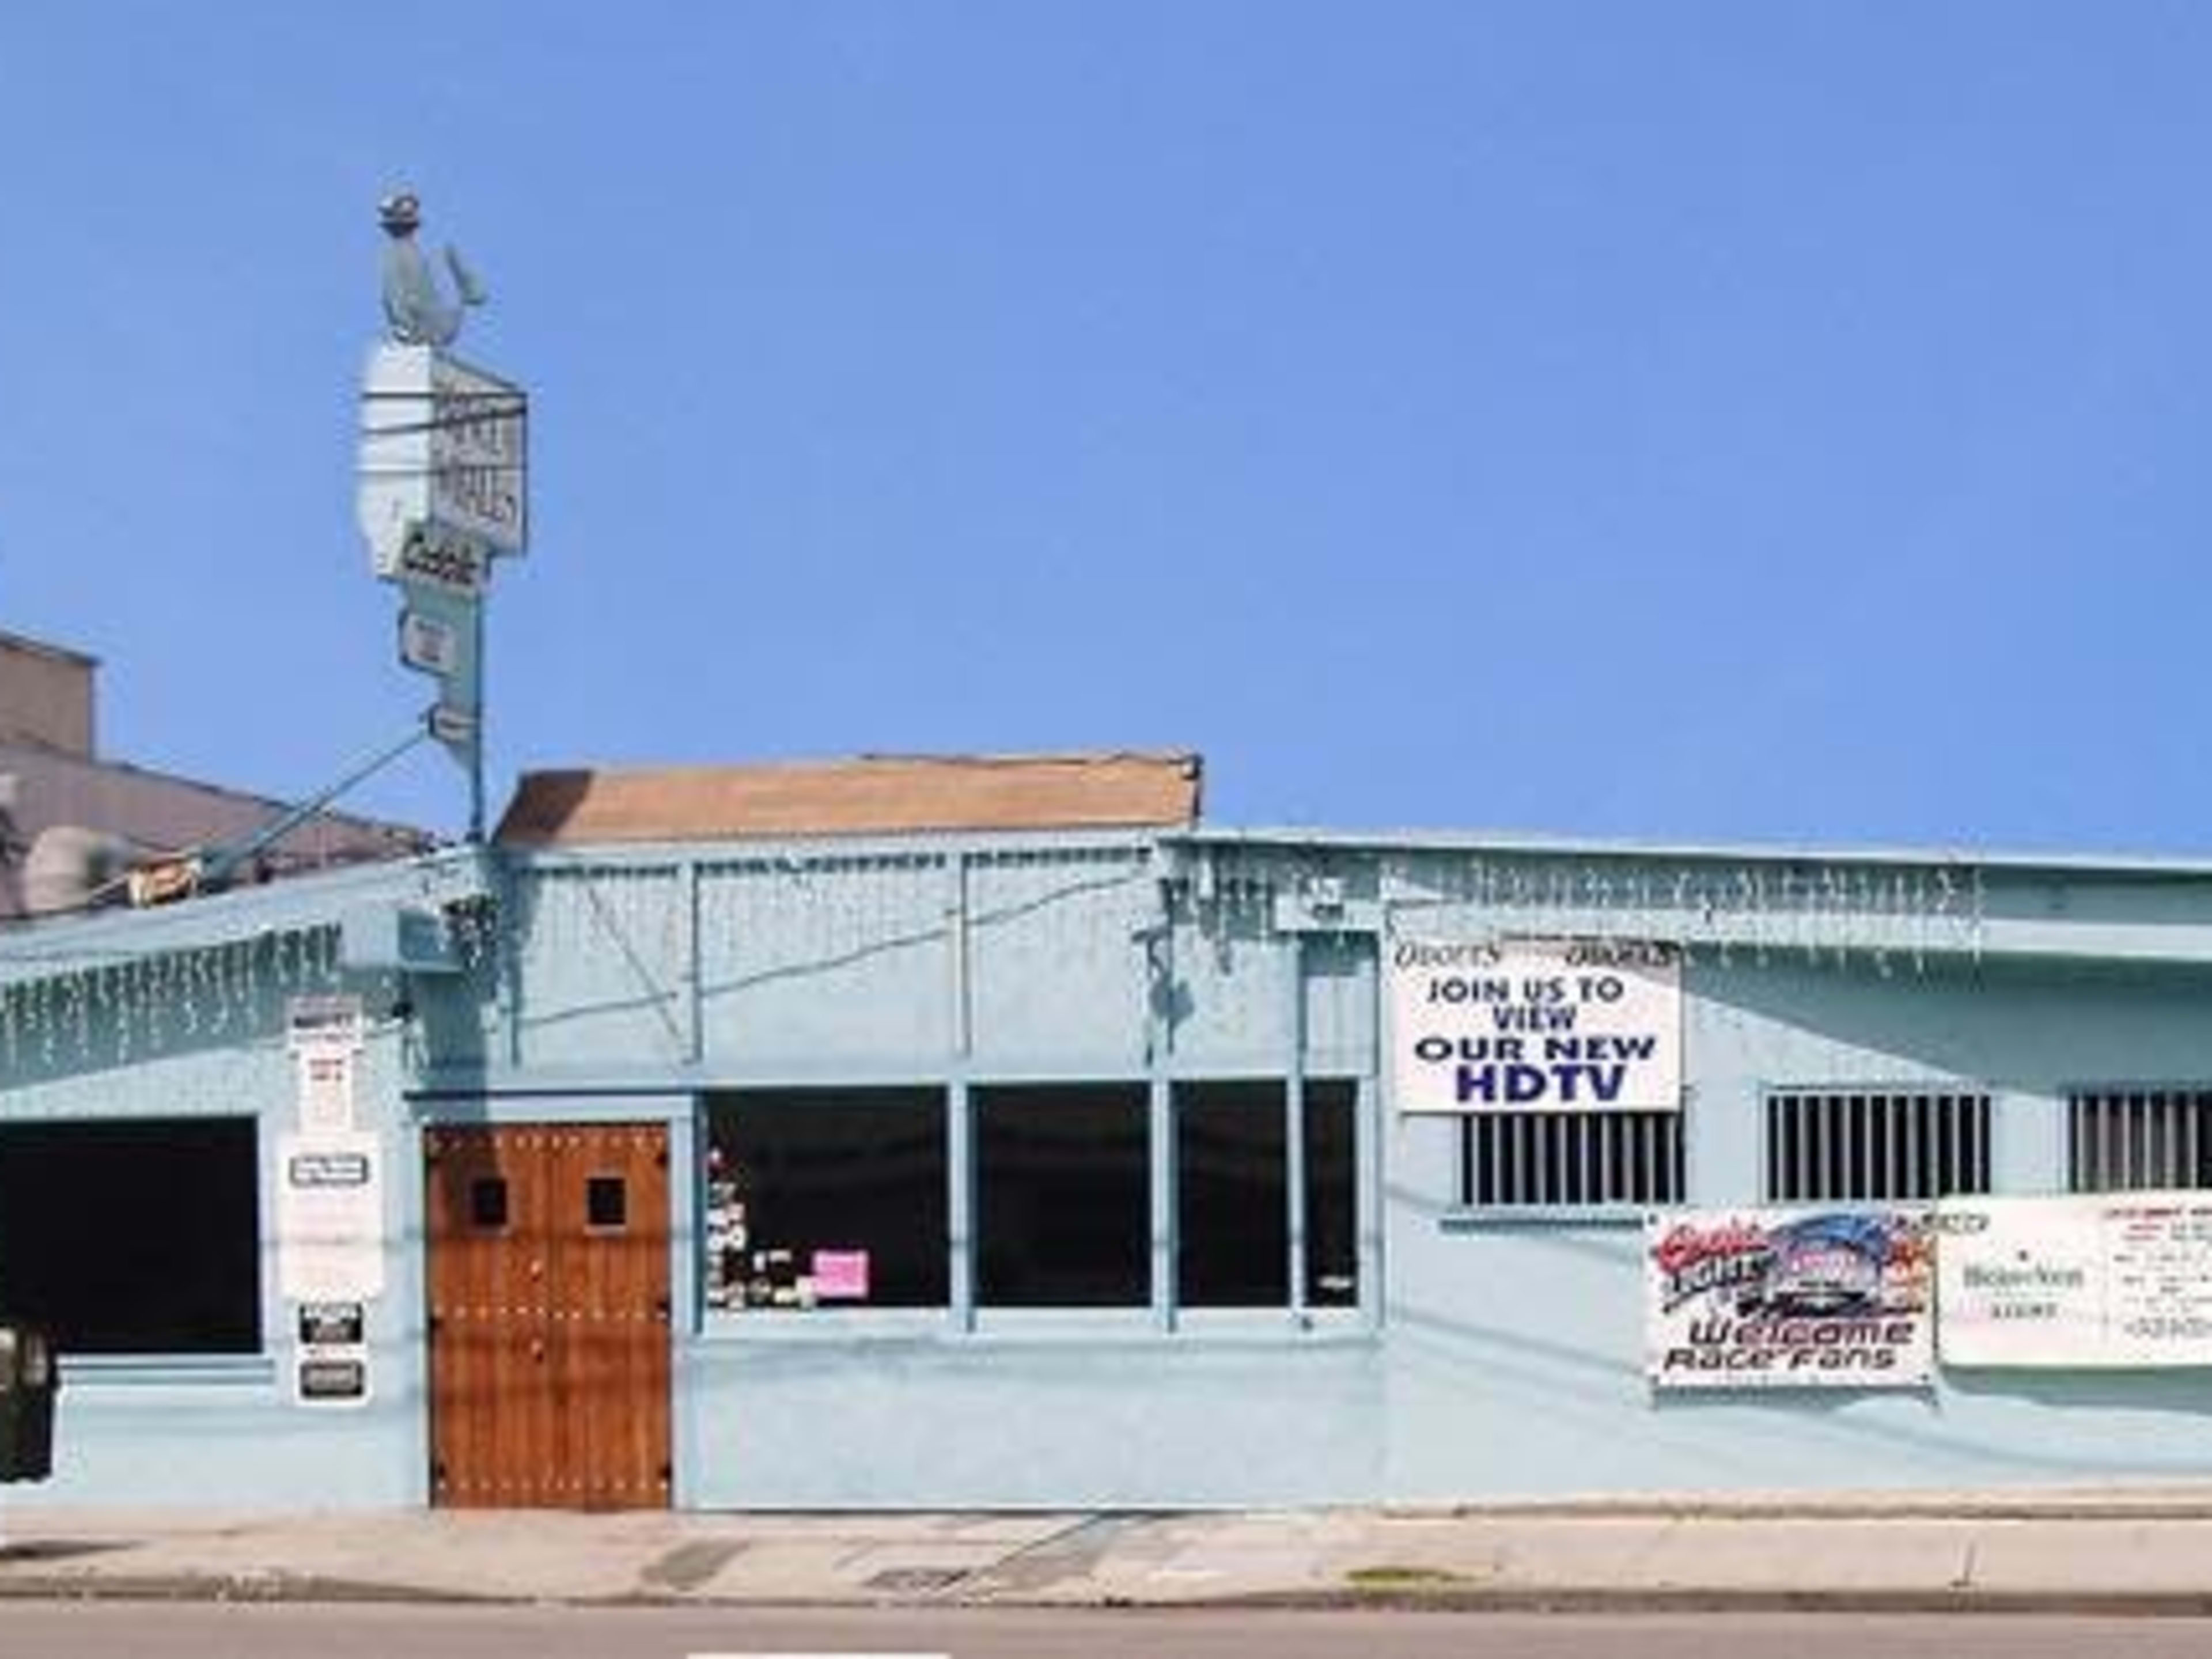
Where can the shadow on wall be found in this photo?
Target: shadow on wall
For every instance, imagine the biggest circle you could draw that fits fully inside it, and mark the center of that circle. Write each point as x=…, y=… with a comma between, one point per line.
x=1980, y=1423
x=450, y=1039
x=2034, y=1027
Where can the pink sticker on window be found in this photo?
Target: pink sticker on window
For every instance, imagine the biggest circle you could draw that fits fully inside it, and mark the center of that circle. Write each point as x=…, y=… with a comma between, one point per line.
x=841, y=1275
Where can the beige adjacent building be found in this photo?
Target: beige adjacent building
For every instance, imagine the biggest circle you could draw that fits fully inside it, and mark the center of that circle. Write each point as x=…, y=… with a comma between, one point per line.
x=71, y=820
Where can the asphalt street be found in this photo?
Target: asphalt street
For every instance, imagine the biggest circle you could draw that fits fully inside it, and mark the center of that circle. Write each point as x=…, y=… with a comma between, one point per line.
x=142, y=1630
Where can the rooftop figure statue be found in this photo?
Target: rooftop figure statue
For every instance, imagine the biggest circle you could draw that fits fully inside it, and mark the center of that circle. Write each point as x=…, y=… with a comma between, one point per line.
x=415, y=312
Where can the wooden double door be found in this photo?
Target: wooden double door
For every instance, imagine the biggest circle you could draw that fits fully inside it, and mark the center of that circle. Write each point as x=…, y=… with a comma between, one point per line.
x=547, y=1250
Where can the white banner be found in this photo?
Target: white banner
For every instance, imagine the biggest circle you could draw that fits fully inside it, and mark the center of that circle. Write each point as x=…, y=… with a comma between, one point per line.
x=330, y=1216
x=1801, y=1298
x=1535, y=1025
x=2121, y=1279
x=323, y=1034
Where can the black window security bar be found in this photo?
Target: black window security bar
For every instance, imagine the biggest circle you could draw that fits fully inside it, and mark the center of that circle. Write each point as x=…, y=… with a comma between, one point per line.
x=1902, y=1144
x=2127, y=1139
x=1569, y=1160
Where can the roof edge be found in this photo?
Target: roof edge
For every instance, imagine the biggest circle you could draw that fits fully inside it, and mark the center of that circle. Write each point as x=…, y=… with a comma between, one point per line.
x=1508, y=844
x=867, y=794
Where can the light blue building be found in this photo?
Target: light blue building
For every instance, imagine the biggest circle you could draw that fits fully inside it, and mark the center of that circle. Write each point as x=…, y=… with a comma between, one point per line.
x=994, y=1133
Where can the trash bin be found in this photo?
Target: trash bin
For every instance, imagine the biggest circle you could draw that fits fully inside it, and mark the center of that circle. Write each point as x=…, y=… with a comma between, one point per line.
x=27, y=1383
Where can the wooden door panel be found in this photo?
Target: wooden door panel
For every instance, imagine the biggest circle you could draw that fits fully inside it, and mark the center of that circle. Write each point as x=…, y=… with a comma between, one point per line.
x=492, y=1447
x=548, y=1287
x=491, y=1418
x=609, y=1186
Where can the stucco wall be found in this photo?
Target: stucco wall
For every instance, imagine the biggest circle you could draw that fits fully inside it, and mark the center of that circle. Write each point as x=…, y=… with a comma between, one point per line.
x=1491, y=1355
x=194, y=1034
x=1516, y=1348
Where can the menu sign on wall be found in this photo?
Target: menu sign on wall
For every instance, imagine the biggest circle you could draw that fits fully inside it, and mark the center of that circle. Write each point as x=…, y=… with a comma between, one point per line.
x=323, y=1034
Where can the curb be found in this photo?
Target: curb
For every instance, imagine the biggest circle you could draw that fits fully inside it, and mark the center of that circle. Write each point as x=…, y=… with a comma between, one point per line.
x=2146, y=1508
x=2160, y=1604
x=276, y=1588
x=237, y=1587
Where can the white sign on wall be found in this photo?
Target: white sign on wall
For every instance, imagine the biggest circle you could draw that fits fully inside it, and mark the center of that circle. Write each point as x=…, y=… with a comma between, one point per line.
x=330, y=1216
x=325, y=1022
x=1535, y=1025
x=325, y=1091
x=323, y=1034
x=2123, y=1280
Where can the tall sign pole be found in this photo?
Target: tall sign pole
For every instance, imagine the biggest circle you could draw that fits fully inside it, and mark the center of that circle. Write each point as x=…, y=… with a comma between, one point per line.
x=444, y=483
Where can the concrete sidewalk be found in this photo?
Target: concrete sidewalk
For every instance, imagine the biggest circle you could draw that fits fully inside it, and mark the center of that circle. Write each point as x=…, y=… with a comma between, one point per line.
x=2140, y=1550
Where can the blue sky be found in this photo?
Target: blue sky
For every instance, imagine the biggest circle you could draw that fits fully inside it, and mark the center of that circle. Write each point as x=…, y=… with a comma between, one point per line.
x=1767, y=422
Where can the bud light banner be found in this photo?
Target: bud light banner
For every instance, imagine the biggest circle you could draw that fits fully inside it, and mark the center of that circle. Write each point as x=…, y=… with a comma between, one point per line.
x=1536, y=1025
x=1839, y=1298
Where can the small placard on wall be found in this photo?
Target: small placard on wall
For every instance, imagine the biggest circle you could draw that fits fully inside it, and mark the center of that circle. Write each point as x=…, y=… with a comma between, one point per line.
x=331, y=1324
x=334, y=1381
x=330, y=1364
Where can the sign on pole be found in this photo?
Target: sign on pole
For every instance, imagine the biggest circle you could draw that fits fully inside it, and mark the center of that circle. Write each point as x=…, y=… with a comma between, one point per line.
x=445, y=446
x=451, y=561
x=429, y=644
x=444, y=483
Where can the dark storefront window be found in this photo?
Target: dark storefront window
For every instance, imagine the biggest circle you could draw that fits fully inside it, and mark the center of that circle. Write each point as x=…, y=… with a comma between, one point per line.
x=138, y=1237
x=1232, y=1215
x=1232, y=1178
x=1332, y=1198
x=1062, y=1196
x=826, y=1197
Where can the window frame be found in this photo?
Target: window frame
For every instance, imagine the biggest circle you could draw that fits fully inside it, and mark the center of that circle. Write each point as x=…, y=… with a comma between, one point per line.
x=1337, y=1227
x=1139, y=1292
x=1308, y=1152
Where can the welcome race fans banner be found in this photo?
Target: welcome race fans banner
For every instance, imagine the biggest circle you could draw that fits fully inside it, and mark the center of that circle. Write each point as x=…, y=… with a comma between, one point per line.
x=1795, y=1298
